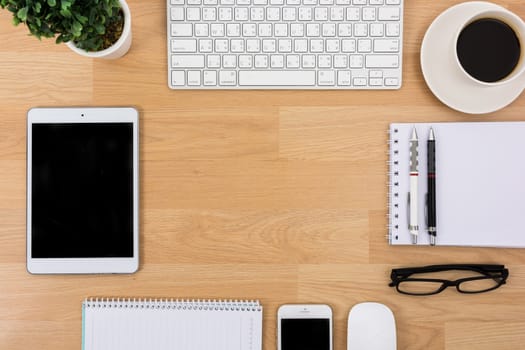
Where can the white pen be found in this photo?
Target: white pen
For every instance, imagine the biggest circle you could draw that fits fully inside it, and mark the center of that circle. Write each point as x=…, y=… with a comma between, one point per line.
x=413, y=196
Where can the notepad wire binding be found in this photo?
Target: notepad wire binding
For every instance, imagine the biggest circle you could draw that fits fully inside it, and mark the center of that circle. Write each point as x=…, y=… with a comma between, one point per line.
x=173, y=304
x=393, y=186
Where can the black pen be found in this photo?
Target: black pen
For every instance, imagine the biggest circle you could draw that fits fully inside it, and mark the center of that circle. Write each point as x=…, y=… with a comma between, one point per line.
x=431, y=194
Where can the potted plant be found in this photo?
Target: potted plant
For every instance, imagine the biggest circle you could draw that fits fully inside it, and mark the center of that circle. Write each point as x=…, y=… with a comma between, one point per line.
x=92, y=28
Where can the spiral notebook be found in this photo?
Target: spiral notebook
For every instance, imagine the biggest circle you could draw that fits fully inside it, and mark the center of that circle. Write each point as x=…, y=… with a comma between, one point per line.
x=480, y=183
x=130, y=324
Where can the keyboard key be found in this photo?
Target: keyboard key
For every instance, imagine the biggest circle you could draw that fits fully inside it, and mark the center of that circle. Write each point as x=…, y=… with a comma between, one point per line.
x=261, y=61
x=326, y=77
x=382, y=61
x=345, y=29
x=257, y=13
x=305, y=14
x=386, y=45
x=285, y=45
x=308, y=61
x=253, y=45
x=375, y=81
x=214, y=61
x=225, y=14
x=324, y=61
x=182, y=29
x=217, y=29
x=392, y=29
x=277, y=61
x=348, y=45
x=289, y=13
x=297, y=29
x=364, y=45
x=177, y=78
x=201, y=30
x=369, y=14
x=277, y=78
x=359, y=81
x=177, y=14
x=194, y=78
x=237, y=45
x=343, y=78
x=184, y=45
x=205, y=45
x=249, y=29
x=209, y=14
x=227, y=77
x=268, y=45
x=301, y=45
x=292, y=61
x=245, y=61
x=241, y=14
x=210, y=78
x=221, y=45
x=193, y=14
x=332, y=45
x=340, y=61
x=229, y=61
x=353, y=14
x=187, y=61
x=391, y=81
x=356, y=61
x=376, y=29
x=388, y=14
x=281, y=29
x=337, y=14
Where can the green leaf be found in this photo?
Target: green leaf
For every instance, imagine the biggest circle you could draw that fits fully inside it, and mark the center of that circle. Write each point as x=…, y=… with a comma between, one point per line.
x=22, y=14
x=65, y=13
x=52, y=3
x=100, y=28
x=77, y=28
x=65, y=5
x=37, y=7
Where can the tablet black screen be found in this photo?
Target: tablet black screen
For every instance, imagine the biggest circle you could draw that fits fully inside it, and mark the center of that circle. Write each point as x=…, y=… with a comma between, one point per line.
x=82, y=190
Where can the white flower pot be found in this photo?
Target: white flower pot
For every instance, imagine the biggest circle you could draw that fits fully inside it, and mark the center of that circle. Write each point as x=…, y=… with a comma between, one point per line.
x=118, y=49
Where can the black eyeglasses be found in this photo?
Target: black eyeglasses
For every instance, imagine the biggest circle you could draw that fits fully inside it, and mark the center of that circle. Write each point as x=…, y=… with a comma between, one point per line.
x=483, y=278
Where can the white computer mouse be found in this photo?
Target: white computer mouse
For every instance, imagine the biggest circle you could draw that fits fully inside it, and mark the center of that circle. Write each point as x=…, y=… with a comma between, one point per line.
x=371, y=326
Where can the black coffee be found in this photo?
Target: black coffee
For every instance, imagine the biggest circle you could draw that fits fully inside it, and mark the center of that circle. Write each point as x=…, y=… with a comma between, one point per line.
x=488, y=49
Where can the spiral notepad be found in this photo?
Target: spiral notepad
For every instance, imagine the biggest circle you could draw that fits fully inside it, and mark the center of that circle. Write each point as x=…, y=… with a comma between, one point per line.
x=480, y=184
x=129, y=324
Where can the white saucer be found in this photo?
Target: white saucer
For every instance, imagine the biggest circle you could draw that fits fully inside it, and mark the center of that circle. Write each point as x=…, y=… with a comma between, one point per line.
x=444, y=77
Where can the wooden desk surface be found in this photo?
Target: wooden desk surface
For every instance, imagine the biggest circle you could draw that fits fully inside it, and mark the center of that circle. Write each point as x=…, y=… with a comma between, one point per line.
x=273, y=195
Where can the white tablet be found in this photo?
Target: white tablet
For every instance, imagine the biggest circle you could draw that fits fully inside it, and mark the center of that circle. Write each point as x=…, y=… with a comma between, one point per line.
x=82, y=190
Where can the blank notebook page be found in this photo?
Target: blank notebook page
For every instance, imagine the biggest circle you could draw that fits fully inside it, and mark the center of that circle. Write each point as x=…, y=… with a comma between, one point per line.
x=480, y=183
x=158, y=324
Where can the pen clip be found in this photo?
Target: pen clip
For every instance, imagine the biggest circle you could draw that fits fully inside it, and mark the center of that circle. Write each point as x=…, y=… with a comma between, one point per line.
x=426, y=209
x=408, y=210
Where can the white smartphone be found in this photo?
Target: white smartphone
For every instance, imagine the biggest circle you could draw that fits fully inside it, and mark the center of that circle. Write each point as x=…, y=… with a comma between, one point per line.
x=301, y=327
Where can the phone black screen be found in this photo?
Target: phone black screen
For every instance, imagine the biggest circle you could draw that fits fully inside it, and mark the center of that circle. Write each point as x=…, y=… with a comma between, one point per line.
x=82, y=190
x=305, y=334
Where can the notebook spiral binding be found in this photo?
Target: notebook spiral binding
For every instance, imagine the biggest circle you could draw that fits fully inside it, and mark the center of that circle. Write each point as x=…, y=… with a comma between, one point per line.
x=393, y=193
x=173, y=304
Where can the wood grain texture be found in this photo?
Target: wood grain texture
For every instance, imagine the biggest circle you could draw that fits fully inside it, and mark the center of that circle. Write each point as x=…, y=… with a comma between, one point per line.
x=273, y=195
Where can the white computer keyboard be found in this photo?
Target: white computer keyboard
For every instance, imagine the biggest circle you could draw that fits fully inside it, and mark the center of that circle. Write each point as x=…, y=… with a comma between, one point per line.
x=285, y=44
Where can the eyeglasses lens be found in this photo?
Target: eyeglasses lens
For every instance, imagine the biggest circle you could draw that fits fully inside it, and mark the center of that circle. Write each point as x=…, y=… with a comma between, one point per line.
x=478, y=285
x=419, y=287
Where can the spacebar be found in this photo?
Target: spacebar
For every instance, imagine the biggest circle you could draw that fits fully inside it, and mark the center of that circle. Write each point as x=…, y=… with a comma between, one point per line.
x=277, y=78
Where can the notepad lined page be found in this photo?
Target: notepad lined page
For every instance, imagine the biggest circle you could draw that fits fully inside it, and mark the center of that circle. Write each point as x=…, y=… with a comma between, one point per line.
x=480, y=187
x=158, y=324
